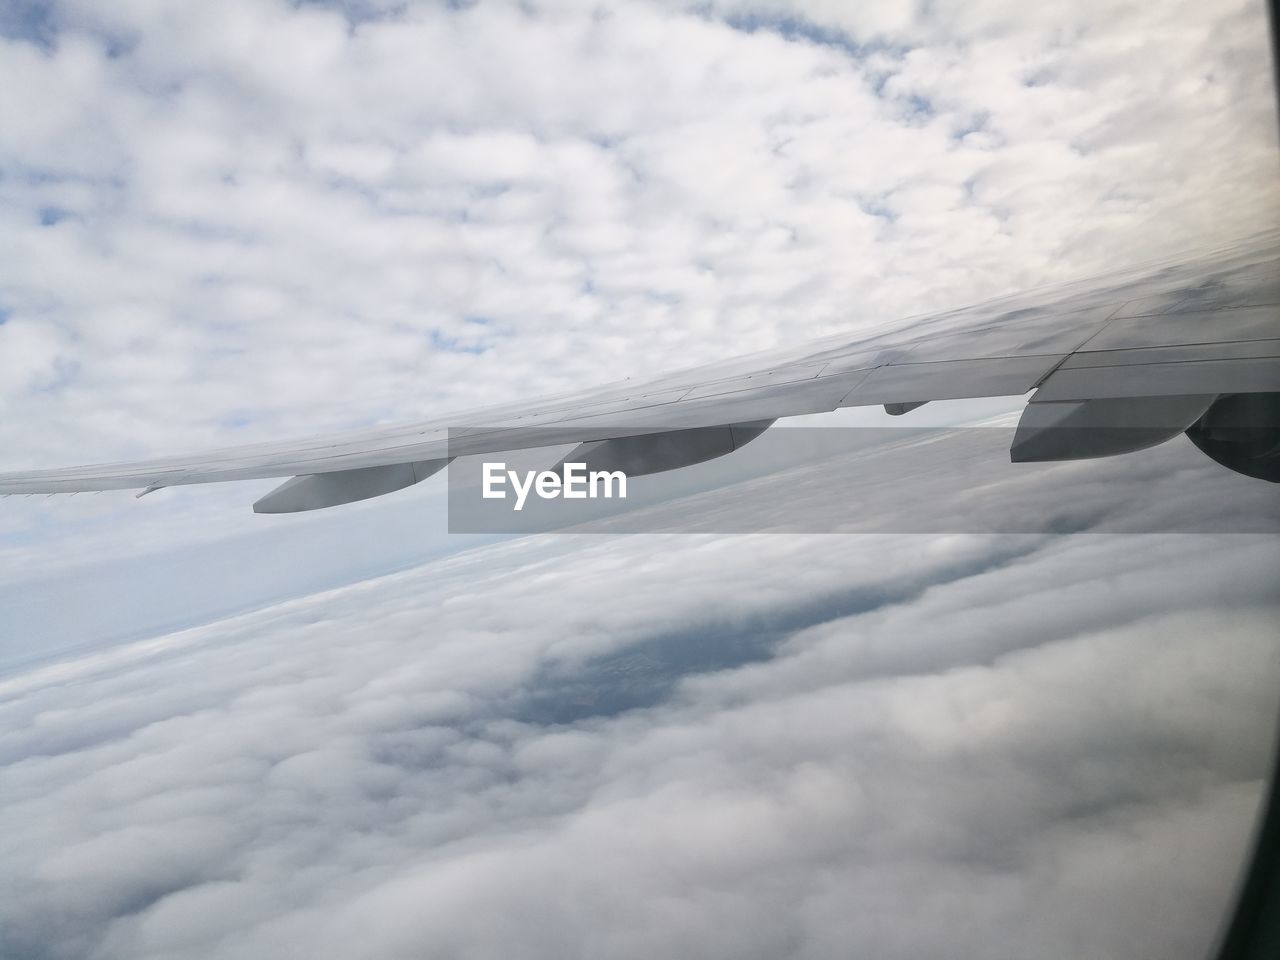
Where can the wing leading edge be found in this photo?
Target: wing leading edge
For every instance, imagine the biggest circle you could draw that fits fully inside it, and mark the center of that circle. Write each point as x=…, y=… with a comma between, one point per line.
x=1116, y=364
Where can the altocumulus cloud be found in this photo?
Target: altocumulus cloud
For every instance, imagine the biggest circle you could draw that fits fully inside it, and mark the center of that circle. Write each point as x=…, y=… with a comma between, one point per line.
x=695, y=746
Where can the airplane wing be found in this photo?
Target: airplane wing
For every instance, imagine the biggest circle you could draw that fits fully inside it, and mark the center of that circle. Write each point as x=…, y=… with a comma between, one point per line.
x=1117, y=364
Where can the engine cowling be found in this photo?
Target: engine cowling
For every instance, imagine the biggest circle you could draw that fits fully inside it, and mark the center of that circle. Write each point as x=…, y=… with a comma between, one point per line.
x=670, y=450
x=1241, y=431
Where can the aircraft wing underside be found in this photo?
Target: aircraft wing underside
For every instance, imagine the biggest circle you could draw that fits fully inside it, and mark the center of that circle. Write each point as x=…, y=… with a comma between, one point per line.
x=1116, y=364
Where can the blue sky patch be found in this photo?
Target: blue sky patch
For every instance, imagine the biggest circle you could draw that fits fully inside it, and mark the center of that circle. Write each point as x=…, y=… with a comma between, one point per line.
x=974, y=124
x=793, y=29
x=52, y=215
x=919, y=108
x=30, y=20
x=877, y=208
x=440, y=341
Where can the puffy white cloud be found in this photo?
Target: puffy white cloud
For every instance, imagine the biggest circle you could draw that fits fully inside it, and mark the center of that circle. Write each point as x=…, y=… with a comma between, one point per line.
x=772, y=746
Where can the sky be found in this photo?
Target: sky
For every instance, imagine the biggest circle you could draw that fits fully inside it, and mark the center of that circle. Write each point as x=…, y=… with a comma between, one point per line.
x=233, y=735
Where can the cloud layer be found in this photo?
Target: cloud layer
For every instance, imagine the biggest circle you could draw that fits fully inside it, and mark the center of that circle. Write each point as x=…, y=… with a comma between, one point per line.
x=739, y=747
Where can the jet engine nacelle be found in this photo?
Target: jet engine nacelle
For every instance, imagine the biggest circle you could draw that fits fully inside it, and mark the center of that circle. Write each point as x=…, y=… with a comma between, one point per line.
x=1241, y=431
x=670, y=450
